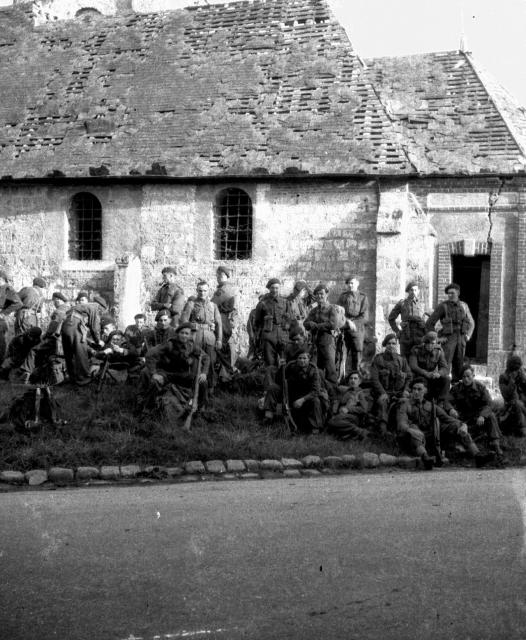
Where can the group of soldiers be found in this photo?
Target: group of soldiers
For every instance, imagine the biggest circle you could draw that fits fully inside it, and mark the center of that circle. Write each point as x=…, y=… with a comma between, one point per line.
x=418, y=389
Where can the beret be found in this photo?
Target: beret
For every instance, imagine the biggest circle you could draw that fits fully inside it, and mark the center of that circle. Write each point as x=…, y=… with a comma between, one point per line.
x=430, y=336
x=39, y=282
x=225, y=270
x=296, y=331
x=352, y=277
x=169, y=270
x=410, y=285
x=104, y=322
x=184, y=325
x=452, y=285
x=514, y=363
x=300, y=284
x=161, y=313
x=418, y=380
x=321, y=287
x=59, y=296
x=388, y=337
x=35, y=331
x=100, y=300
x=82, y=294
x=272, y=281
x=302, y=350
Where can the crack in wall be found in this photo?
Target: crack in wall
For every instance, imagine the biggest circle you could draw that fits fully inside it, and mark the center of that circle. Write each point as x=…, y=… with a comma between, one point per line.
x=492, y=201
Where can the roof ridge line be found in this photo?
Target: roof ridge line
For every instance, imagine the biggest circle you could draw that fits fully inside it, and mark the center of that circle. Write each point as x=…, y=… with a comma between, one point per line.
x=509, y=125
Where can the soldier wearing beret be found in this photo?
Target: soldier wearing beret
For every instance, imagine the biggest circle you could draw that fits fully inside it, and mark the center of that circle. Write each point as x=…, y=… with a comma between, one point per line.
x=82, y=297
x=162, y=332
x=457, y=328
x=170, y=296
x=9, y=304
x=207, y=327
x=427, y=361
x=412, y=324
x=390, y=377
x=322, y=322
x=272, y=320
x=356, y=306
x=226, y=297
x=32, y=300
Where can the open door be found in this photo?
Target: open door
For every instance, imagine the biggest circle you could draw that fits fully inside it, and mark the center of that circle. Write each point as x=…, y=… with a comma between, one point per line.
x=472, y=274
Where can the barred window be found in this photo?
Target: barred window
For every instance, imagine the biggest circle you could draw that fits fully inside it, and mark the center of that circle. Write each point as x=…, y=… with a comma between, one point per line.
x=85, y=228
x=233, y=225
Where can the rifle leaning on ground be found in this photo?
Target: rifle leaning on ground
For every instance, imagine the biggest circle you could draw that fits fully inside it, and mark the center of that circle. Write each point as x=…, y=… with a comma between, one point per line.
x=287, y=415
x=195, y=398
x=437, y=447
x=102, y=374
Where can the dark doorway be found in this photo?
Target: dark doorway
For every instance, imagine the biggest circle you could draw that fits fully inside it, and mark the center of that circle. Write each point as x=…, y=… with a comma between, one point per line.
x=472, y=274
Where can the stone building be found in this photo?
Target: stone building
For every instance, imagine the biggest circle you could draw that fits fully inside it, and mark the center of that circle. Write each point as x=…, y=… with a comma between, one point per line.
x=252, y=134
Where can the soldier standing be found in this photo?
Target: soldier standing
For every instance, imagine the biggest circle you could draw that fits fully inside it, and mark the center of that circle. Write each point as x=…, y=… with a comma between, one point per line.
x=457, y=328
x=298, y=304
x=272, y=320
x=411, y=312
x=207, y=327
x=9, y=304
x=170, y=296
x=322, y=322
x=356, y=307
x=226, y=297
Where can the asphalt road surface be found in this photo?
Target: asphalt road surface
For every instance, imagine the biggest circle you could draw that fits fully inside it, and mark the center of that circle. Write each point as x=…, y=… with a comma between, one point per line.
x=365, y=556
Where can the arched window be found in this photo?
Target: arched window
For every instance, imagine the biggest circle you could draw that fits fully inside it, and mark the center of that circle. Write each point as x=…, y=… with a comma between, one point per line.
x=85, y=228
x=233, y=225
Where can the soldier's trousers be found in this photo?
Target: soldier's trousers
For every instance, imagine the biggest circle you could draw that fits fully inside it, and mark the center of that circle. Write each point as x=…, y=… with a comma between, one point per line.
x=454, y=352
x=347, y=425
x=414, y=440
x=309, y=417
x=438, y=388
x=490, y=427
x=514, y=419
x=326, y=357
x=75, y=352
x=274, y=343
x=354, y=345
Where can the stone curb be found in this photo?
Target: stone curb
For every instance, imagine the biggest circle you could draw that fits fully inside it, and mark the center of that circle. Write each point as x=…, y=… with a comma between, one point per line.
x=197, y=470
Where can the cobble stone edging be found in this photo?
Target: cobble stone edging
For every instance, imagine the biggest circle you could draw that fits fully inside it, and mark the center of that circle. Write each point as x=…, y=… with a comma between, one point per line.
x=197, y=470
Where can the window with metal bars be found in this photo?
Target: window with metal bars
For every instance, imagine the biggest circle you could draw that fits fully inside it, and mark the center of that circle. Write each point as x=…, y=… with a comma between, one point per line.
x=85, y=228
x=233, y=236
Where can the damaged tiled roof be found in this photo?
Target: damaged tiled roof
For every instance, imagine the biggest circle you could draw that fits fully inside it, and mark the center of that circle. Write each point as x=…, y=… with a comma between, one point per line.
x=453, y=117
x=247, y=87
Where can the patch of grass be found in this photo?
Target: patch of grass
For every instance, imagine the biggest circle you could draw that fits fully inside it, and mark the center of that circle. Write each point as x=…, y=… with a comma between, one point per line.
x=102, y=430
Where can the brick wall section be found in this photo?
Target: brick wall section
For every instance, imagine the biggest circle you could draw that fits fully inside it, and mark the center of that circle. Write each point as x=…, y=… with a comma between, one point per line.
x=520, y=305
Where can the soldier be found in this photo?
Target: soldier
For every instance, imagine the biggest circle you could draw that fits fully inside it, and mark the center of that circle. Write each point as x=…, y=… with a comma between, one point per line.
x=512, y=385
x=20, y=355
x=352, y=411
x=272, y=320
x=226, y=297
x=119, y=353
x=303, y=392
x=427, y=361
x=254, y=334
x=170, y=296
x=9, y=304
x=298, y=304
x=32, y=300
x=469, y=400
x=171, y=371
x=162, y=332
x=207, y=327
x=322, y=322
x=297, y=343
x=82, y=297
x=457, y=328
x=415, y=427
x=136, y=333
x=81, y=324
x=356, y=308
x=60, y=308
x=390, y=377
x=411, y=312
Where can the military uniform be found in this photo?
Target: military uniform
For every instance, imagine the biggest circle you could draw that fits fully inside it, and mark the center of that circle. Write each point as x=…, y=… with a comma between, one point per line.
x=512, y=385
x=157, y=336
x=207, y=329
x=412, y=329
x=298, y=309
x=423, y=362
x=137, y=337
x=322, y=322
x=226, y=297
x=21, y=355
x=390, y=375
x=170, y=296
x=351, y=418
x=9, y=304
x=414, y=421
x=272, y=320
x=356, y=306
x=470, y=402
x=82, y=322
x=29, y=313
x=457, y=328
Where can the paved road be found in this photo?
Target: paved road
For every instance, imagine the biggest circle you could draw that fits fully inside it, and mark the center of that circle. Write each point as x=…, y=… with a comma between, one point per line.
x=401, y=555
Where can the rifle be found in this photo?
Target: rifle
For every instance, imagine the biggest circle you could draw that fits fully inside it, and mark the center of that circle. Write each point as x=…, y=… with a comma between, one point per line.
x=103, y=373
x=437, y=447
x=195, y=397
x=287, y=416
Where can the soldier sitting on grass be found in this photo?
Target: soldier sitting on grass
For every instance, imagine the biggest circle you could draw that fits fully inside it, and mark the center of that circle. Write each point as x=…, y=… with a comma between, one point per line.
x=512, y=385
x=352, y=412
